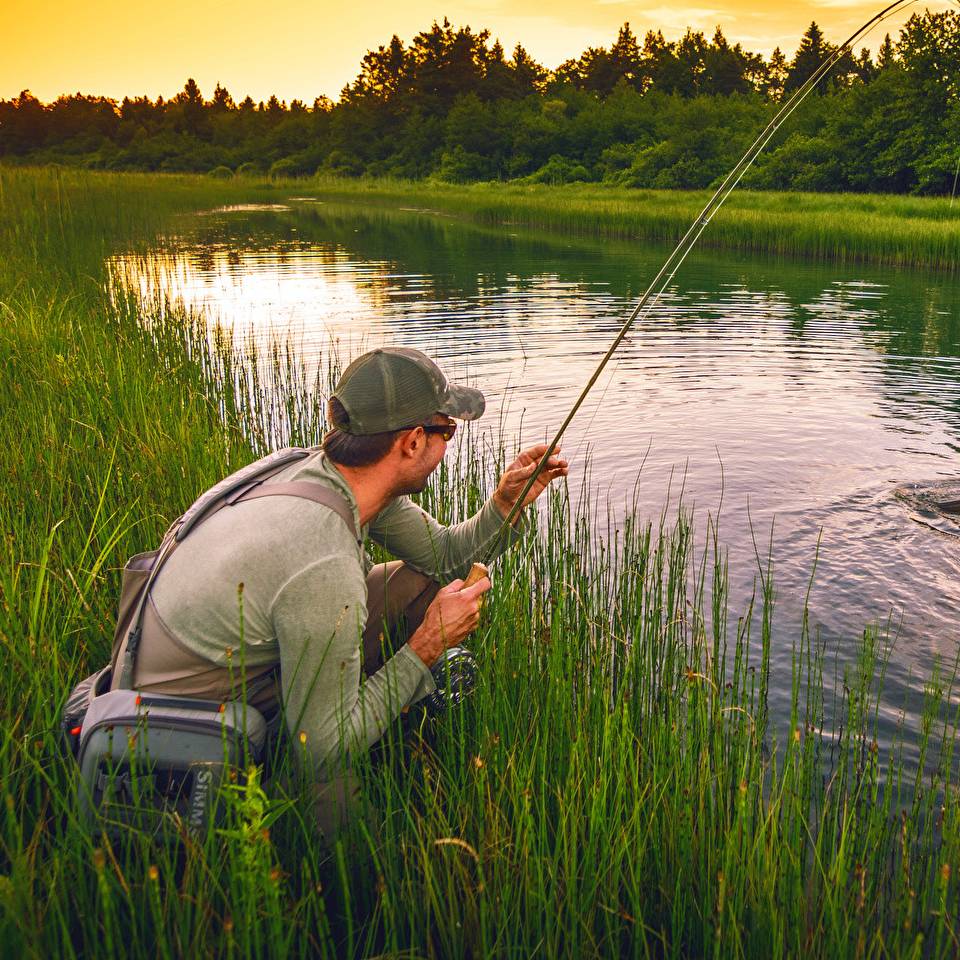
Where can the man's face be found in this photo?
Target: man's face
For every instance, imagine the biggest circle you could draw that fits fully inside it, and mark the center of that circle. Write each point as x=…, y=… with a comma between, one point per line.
x=430, y=454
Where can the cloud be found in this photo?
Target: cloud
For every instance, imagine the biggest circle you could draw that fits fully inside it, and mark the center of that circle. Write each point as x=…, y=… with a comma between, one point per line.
x=679, y=18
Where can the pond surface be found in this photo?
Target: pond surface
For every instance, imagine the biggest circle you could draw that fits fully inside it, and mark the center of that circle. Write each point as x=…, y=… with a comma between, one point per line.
x=804, y=393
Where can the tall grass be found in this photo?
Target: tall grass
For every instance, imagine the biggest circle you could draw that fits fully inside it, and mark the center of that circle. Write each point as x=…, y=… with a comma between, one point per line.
x=615, y=786
x=894, y=230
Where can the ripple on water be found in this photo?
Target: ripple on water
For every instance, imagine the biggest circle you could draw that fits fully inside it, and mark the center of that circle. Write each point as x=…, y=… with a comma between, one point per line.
x=815, y=395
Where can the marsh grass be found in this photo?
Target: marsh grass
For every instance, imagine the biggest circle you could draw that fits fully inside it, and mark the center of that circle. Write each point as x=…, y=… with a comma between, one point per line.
x=615, y=786
x=845, y=228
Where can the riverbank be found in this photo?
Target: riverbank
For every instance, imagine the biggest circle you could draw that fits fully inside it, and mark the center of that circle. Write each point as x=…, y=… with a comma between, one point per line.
x=870, y=228
x=888, y=229
x=614, y=787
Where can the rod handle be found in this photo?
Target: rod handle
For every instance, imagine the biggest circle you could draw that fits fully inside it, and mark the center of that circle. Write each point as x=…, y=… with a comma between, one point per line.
x=477, y=572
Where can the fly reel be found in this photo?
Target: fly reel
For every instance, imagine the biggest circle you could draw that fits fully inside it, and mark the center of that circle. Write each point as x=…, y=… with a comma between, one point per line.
x=455, y=672
x=455, y=675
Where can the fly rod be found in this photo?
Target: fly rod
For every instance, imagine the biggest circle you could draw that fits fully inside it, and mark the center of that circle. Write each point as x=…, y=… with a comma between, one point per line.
x=672, y=263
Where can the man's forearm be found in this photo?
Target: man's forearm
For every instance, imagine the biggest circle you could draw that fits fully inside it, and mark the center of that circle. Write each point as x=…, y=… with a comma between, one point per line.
x=444, y=553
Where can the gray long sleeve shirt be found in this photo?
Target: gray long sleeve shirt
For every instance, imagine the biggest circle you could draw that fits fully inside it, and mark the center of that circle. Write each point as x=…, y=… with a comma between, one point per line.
x=304, y=602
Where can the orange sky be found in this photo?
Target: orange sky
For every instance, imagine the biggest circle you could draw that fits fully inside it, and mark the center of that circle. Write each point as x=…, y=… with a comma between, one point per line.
x=296, y=48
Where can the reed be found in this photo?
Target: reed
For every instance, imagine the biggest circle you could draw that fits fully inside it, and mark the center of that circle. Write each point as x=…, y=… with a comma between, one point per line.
x=845, y=228
x=615, y=786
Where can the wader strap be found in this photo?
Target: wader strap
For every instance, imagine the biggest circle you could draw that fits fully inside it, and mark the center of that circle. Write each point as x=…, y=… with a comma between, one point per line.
x=136, y=631
x=303, y=489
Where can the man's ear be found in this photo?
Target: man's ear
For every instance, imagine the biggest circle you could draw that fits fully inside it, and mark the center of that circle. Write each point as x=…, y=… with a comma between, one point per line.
x=411, y=442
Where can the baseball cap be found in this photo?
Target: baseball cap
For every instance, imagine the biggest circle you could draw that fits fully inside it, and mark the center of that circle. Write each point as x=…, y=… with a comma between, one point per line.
x=395, y=387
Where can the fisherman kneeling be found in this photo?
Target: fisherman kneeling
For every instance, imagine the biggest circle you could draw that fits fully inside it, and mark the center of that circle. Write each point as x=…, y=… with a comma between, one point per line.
x=283, y=581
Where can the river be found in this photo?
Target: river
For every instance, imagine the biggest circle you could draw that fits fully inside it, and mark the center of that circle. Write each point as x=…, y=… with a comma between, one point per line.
x=792, y=396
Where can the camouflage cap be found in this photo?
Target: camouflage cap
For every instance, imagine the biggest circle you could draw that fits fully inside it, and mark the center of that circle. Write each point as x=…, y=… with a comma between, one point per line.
x=396, y=387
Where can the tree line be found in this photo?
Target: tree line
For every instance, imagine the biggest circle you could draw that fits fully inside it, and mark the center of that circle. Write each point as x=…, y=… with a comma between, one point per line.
x=454, y=106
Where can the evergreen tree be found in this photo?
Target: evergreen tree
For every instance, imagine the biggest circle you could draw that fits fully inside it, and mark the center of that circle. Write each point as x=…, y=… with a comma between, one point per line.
x=812, y=52
x=382, y=73
x=625, y=60
x=222, y=102
x=530, y=76
x=776, y=75
x=887, y=54
x=864, y=68
x=189, y=104
x=728, y=70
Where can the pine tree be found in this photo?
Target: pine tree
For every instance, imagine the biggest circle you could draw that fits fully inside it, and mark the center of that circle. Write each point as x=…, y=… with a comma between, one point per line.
x=190, y=102
x=222, y=102
x=625, y=61
x=777, y=71
x=813, y=51
x=887, y=54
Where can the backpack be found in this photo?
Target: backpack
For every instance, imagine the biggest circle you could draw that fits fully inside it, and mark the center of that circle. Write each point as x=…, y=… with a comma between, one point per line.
x=144, y=756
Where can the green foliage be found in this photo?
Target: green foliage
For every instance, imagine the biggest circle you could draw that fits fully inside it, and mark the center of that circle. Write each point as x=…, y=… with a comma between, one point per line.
x=340, y=163
x=459, y=166
x=287, y=167
x=221, y=173
x=559, y=170
x=452, y=106
x=250, y=169
x=805, y=163
x=616, y=785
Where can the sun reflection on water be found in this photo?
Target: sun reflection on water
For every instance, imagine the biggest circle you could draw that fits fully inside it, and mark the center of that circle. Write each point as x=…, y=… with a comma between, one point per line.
x=806, y=392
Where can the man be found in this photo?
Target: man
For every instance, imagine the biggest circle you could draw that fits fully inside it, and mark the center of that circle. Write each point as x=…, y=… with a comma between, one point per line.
x=285, y=581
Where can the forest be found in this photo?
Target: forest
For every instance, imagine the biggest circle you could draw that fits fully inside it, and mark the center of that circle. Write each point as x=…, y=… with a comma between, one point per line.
x=453, y=105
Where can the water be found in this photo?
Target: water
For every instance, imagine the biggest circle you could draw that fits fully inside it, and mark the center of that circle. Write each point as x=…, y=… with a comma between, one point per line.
x=788, y=396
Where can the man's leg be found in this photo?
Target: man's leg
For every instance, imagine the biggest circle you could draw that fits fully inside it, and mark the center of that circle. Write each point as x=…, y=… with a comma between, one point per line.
x=397, y=599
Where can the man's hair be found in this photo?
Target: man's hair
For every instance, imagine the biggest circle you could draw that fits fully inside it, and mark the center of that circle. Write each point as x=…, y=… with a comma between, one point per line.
x=349, y=450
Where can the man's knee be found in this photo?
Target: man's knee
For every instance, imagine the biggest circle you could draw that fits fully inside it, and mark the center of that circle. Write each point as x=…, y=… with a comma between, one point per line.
x=397, y=600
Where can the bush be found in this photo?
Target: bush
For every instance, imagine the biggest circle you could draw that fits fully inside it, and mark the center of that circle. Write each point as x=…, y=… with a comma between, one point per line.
x=250, y=169
x=559, y=170
x=615, y=159
x=461, y=166
x=802, y=163
x=342, y=164
x=283, y=168
x=221, y=173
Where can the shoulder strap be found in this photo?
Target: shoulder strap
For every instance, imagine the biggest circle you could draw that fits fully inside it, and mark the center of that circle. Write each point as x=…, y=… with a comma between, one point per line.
x=240, y=480
x=307, y=490
x=244, y=485
x=125, y=681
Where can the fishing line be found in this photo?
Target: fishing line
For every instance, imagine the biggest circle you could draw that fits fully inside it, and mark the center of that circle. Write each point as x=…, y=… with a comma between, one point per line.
x=670, y=266
x=953, y=193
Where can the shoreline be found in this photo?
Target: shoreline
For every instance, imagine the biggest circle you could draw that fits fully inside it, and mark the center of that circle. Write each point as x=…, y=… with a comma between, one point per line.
x=616, y=785
x=883, y=229
x=889, y=230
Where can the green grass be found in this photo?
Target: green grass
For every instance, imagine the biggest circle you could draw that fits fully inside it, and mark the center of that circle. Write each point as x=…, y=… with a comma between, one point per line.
x=894, y=230
x=616, y=785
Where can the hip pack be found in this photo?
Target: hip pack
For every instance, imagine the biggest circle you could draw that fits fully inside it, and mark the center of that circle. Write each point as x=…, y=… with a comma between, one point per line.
x=146, y=756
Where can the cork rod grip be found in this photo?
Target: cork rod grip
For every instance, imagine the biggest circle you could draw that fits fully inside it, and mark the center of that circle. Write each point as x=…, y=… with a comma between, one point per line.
x=477, y=572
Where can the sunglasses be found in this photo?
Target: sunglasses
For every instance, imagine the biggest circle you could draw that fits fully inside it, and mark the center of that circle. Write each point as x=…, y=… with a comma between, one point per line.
x=445, y=430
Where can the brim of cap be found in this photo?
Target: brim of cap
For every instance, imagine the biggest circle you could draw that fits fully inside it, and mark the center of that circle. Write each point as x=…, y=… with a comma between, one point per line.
x=463, y=403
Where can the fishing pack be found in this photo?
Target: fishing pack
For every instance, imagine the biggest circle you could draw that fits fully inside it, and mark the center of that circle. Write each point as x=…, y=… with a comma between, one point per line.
x=144, y=756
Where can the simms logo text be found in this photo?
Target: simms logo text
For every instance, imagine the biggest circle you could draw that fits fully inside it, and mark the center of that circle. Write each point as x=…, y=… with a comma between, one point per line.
x=199, y=797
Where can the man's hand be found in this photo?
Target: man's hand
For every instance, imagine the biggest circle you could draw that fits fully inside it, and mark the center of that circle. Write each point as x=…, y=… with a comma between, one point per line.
x=453, y=616
x=515, y=477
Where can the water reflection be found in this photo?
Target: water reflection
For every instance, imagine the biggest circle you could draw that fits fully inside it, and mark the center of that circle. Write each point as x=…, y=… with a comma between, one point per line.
x=808, y=391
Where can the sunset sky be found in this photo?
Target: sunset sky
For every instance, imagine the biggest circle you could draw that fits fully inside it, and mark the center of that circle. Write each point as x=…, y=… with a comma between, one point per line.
x=296, y=48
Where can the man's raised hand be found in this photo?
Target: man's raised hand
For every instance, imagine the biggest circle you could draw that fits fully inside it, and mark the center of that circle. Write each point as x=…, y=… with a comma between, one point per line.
x=515, y=477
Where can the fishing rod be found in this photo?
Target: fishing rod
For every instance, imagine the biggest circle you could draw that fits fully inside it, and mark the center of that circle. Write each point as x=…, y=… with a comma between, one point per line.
x=673, y=262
